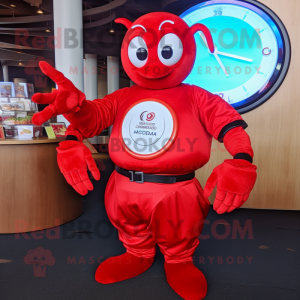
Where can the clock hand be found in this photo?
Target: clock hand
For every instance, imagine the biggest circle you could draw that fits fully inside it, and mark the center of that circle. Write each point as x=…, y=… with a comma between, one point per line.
x=221, y=64
x=216, y=56
x=233, y=56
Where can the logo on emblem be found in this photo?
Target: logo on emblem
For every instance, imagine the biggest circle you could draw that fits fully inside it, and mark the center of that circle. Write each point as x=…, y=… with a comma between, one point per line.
x=149, y=128
x=149, y=116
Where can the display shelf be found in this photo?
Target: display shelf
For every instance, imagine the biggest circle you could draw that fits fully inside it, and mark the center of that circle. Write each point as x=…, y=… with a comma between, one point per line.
x=41, y=140
x=19, y=110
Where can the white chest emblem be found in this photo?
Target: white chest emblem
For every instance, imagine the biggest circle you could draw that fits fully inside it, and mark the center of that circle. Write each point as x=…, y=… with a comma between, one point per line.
x=148, y=128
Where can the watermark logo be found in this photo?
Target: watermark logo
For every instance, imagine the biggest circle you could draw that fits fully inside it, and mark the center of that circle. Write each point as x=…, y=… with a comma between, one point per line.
x=219, y=229
x=32, y=68
x=39, y=258
x=201, y=260
x=69, y=38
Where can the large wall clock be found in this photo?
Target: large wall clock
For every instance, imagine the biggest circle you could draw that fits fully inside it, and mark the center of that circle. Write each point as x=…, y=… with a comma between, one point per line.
x=252, y=53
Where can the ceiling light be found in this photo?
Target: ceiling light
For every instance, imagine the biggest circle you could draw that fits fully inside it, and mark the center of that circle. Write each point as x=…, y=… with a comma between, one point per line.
x=111, y=30
x=48, y=29
x=20, y=64
x=12, y=4
x=39, y=11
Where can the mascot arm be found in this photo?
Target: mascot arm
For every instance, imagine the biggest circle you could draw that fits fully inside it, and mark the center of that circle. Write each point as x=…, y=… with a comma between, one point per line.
x=234, y=178
x=74, y=158
x=88, y=117
x=94, y=116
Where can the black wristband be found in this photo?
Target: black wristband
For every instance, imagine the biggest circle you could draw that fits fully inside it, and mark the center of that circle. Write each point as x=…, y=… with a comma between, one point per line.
x=226, y=128
x=71, y=138
x=244, y=156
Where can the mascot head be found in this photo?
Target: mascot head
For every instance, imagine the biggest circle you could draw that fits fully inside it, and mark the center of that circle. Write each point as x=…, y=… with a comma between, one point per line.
x=159, y=49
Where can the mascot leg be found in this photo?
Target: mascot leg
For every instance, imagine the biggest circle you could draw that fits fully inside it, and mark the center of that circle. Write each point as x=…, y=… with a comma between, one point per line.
x=122, y=267
x=176, y=223
x=171, y=215
x=122, y=210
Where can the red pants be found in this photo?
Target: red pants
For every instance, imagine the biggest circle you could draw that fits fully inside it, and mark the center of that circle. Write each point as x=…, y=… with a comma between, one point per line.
x=170, y=215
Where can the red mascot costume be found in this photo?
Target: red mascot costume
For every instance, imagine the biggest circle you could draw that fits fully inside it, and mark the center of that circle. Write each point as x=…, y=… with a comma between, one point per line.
x=162, y=133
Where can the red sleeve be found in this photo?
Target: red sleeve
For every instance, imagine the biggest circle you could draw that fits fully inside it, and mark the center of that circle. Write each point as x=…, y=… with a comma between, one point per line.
x=94, y=116
x=71, y=130
x=216, y=114
x=238, y=141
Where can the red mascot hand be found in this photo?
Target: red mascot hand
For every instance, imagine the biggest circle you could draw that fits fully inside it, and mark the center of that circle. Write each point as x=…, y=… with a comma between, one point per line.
x=74, y=158
x=66, y=99
x=235, y=179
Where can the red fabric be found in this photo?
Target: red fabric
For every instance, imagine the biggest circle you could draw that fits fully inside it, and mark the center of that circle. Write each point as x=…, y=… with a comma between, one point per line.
x=95, y=116
x=74, y=158
x=71, y=130
x=122, y=267
x=200, y=115
x=66, y=99
x=186, y=280
x=170, y=215
x=154, y=74
x=237, y=141
x=235, y=178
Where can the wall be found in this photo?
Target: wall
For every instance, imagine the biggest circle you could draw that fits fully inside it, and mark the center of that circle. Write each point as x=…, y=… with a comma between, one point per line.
x=274, y=128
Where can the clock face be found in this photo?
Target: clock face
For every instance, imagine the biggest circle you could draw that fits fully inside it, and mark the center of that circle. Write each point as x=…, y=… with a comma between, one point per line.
x=252, y=53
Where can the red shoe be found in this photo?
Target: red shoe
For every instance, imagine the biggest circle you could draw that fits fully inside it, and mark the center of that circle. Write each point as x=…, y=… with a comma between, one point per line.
x=186, y=280
x=122, y=267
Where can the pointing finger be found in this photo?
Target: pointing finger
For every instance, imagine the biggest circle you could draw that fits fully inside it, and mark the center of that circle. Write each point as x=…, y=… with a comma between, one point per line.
x=43, y=116
x=51, y=72
x=55, y=75
x=45, y=98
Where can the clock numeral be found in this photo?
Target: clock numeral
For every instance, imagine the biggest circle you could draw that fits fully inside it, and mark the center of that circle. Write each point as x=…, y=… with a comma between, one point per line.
x=218, y=11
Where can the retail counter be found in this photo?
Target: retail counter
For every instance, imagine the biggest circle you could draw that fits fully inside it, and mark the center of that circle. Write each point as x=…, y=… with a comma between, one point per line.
x=33, y=193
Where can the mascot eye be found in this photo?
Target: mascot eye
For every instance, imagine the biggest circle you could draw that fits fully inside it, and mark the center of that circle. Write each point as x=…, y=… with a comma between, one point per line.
x=170, y=49
x=167, y=52
x=142, y=53
x=138, y=52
